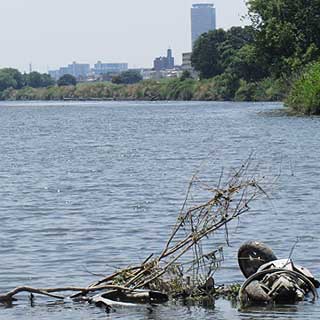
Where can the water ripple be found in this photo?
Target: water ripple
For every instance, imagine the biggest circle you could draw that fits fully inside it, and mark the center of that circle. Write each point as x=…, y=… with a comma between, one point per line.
x=97, y=186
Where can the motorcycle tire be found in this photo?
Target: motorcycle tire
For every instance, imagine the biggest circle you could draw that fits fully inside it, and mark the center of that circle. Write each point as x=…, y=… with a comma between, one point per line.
x=252, y=255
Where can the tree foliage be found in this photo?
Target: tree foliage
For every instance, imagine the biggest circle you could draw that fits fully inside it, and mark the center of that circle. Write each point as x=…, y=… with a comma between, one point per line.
x=13, y=79
x=10, y=78
x=206, y=57
x=246, y=64
x=214, y=52
x=67, y=80
x=37, y=80
x=6, y=81
x=286, y=32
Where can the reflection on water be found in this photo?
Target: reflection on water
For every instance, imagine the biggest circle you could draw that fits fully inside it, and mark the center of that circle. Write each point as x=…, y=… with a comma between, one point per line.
x=89, y=187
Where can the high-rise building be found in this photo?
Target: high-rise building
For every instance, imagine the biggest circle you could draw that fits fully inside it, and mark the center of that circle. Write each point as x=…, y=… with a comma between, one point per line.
x=203, y=19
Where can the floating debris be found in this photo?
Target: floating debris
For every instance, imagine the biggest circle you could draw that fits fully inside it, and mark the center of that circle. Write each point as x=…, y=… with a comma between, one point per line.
x=271, y=280
x=184, y=269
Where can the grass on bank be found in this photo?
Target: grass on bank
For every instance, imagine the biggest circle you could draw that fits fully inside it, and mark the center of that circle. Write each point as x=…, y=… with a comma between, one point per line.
x=304, y=96
x=224, y=87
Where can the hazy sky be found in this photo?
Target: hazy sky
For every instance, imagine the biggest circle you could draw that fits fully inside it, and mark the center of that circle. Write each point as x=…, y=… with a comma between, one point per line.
x=53, y=33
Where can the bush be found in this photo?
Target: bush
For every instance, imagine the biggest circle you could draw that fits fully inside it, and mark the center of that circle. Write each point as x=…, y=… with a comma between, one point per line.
x=304, y=96
x=175, y=89
x=224, y=87
x=266, y=90
x=246, y=91
x=270, y=89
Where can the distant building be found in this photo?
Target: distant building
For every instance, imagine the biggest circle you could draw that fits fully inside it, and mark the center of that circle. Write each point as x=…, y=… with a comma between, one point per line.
x=78, y=70
x=203, y=19
x=164, y=63
x=187, y=65
x=82, y=71
x=105, y=68
x=151, y=74
x=55, y=74
x=186, y=61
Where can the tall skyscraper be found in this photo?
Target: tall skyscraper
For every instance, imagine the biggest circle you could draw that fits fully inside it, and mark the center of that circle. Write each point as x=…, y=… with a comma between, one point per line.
x=203, y=19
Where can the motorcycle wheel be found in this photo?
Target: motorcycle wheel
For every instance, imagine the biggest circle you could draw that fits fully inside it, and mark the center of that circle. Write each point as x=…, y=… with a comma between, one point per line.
x=252, y=255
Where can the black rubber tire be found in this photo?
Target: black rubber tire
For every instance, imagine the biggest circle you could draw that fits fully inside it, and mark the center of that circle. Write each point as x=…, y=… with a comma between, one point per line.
x=252, y=255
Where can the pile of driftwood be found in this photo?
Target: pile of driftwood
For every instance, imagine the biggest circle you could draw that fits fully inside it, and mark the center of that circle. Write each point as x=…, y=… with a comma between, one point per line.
x=183, y=269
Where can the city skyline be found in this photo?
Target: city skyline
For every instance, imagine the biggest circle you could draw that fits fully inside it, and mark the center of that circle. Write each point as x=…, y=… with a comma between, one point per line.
x=51, y=34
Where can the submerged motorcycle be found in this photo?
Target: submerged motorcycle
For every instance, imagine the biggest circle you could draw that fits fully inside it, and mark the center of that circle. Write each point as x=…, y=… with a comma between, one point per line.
x=271, y=280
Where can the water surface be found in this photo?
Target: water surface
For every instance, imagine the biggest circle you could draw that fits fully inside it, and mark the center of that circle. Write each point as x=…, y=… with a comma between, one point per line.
x=89, y=187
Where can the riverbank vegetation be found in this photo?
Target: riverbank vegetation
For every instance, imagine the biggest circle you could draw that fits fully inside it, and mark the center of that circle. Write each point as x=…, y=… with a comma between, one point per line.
x=272, y=59
x=268, y=58
x=13, y=79
x=220, y=88
x=304, y=96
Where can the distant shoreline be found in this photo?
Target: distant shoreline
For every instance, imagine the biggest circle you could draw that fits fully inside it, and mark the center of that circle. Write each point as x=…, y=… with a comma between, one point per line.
x=149, y=90
x=133, y=100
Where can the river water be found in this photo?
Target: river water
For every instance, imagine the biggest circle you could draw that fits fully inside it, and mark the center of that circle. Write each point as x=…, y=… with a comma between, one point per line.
x=89, y=187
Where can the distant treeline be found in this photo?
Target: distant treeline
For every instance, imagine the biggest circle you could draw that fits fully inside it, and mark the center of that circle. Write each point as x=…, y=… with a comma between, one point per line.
x=277, y=57
x=12, y=78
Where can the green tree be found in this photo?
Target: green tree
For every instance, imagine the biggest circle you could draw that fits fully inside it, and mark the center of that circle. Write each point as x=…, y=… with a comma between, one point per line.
x=37, y=80
x=214, y=51
x=34, y=80
x=10, y=78
x=284, y=31
x=236, y=38
x=246, y=64
x=6, y=81
x=47, y=80
x=67, y=80
x=206, y=57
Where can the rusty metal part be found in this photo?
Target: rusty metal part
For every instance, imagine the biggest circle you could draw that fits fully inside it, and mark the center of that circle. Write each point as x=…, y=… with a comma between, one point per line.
x=283, y=281
x=289, y=265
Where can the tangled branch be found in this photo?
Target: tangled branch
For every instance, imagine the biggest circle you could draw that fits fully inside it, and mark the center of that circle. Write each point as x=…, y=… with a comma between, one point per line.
x=195, y=225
